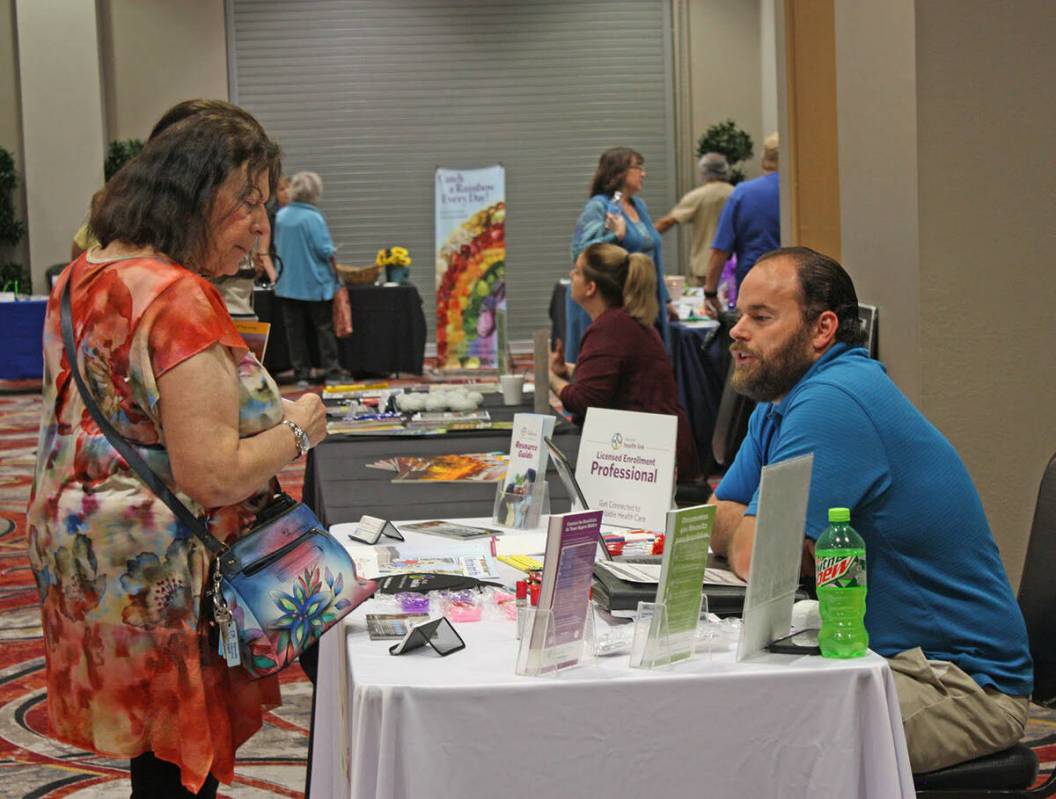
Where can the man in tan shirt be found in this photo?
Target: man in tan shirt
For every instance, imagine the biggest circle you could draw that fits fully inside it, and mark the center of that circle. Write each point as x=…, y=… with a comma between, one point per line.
x=703, y=206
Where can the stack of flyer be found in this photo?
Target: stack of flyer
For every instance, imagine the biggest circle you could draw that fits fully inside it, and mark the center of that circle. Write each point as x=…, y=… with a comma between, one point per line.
x=555, y=640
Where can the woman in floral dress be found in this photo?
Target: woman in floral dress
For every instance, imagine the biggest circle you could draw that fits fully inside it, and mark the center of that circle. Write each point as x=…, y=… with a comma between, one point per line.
x=130, y=668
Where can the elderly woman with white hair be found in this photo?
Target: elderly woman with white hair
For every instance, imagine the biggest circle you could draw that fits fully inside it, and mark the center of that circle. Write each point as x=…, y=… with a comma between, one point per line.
x=308, y=281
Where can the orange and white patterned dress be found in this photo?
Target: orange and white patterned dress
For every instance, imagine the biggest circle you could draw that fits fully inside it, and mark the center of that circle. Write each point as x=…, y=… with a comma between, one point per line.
x=129, y=664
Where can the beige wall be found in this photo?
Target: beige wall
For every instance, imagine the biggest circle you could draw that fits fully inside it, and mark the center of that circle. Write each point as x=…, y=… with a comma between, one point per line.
x=10, y=121
x=154, y=55
x=947, y=209
x=726, y=68
x=62, y=124
x=987, y=193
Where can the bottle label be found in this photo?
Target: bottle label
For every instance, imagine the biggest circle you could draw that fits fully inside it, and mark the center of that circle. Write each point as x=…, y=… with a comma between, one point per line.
x=841, y=571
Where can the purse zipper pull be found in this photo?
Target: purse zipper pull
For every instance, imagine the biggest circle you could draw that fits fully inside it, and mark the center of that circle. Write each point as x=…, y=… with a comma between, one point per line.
x=228, y=628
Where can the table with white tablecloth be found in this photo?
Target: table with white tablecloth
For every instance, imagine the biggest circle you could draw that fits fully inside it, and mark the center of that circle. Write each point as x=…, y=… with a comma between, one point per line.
x=466, y=726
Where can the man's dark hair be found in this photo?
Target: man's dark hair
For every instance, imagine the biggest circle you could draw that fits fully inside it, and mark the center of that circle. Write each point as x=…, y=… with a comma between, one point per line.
x=164, y=197
x=612, y=168
x=824, y=285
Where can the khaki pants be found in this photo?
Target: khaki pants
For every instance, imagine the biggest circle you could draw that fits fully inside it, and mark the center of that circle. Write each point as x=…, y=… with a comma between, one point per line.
x=948, y=717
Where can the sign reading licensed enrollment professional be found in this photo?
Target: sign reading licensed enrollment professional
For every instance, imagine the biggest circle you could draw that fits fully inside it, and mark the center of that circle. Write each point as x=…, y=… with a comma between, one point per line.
x=626, y=466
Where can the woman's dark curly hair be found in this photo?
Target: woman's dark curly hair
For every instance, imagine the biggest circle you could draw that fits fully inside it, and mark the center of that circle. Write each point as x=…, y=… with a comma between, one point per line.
x=164, y=197
x=612, y=168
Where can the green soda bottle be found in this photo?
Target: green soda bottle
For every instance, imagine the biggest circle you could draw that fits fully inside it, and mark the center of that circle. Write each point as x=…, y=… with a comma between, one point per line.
x=840, y=569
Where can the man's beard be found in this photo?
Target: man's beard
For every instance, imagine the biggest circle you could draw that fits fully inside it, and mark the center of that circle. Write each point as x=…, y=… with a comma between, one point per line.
x=767, y=380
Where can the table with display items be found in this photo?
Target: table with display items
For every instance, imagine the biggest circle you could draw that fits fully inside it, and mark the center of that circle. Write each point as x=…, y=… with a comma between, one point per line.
x=388, y=331
x=340, y=487
x=465, y=725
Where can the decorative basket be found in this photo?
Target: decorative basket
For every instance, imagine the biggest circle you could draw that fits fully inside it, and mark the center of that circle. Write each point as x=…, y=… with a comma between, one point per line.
x=358, y=275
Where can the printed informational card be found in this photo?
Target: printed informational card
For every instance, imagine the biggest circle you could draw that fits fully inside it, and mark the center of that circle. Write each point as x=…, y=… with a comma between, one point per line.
x=682, y=571
x=571, y=544
x=626, y=466
x=255, y=334
x=518, y=502
x=382, y=626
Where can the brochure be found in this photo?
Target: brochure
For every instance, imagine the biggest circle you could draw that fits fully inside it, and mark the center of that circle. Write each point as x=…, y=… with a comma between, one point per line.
x=373, y=562
x=557, y=638
x=382, y=626
x=450, y=529
x=626, y=466
x=682, y=571
x=519, y=500
x=481, y=467
x=255, y=334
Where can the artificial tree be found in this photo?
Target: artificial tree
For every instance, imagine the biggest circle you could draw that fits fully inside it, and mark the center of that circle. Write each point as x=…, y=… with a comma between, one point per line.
x=729, y=140
x=13, y=277
x=121, y=151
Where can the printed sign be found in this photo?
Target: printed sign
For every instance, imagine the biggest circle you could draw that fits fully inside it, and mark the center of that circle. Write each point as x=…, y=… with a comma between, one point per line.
x=471, y=268
x=626, y=466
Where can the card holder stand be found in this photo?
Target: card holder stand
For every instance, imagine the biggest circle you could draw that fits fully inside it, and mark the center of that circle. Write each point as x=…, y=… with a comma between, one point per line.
x=654, y=645
x=537, y=653
x=651, y=646
x=521, y=511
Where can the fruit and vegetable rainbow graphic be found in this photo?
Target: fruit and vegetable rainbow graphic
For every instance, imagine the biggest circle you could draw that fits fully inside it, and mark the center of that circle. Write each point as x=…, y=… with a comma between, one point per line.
x=470, y=267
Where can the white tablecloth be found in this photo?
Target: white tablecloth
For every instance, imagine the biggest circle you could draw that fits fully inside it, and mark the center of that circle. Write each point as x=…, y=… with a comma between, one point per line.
x=465, y=726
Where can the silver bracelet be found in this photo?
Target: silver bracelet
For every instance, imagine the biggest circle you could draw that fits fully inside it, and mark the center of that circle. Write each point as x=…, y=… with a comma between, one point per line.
x=300, y=437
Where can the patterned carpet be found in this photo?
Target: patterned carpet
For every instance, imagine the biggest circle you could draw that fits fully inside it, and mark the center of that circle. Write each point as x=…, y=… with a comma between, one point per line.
x=32, y=766
x=271, y=764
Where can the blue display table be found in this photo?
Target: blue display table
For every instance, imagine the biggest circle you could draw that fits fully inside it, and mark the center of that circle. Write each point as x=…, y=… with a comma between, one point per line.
x=21, y=331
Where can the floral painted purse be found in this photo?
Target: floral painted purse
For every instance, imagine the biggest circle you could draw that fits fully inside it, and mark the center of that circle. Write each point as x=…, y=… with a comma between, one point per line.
x=275, y=590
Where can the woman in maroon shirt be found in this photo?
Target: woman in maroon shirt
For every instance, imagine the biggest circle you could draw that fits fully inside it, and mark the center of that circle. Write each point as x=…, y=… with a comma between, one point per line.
x=622, y=363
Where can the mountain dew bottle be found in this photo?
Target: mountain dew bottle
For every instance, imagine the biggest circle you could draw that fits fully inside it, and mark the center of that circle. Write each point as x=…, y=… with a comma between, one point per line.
x=840, y=558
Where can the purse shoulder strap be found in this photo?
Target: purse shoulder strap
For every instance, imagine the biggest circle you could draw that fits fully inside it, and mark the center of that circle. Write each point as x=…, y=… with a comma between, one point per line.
x=120, y=443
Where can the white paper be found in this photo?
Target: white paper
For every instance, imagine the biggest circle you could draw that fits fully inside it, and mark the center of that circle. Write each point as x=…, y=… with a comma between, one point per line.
x=650, y=573
x=626, y=466
x=784, y=490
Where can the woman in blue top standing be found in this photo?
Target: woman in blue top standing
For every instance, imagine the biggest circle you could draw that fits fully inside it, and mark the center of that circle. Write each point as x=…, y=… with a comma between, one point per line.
x=308, y=280
x=625, y=222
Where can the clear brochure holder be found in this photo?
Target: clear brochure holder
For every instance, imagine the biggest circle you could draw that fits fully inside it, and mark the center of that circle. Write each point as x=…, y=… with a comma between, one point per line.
x=654, y=645
x=540, y=655
x=521, y=511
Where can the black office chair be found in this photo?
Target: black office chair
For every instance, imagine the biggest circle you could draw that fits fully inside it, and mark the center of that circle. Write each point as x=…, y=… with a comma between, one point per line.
x=731, y=423
x=1010, y=773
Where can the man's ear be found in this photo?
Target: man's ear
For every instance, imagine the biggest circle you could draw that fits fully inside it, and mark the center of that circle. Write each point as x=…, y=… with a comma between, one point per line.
x=825, y=329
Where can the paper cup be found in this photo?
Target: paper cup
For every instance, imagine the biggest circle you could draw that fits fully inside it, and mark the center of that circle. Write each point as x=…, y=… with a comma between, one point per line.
x=512, y=389
x=676, y=284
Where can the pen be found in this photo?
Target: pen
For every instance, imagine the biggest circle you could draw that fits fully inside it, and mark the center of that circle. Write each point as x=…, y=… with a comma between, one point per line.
x=522, y=605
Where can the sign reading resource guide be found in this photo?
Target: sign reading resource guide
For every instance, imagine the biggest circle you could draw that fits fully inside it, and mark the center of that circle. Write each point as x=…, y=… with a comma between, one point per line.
x=519, y=502
x=556, y=638
x=626, y=466
x=682, y=571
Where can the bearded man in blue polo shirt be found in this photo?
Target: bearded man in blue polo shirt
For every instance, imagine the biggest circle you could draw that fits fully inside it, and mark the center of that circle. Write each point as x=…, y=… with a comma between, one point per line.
x=939, y=604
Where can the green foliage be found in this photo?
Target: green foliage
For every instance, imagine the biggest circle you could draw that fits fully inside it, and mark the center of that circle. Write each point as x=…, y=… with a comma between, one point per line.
x=731, y=141
x=14, y=278
x=11, y=229
x=121, y=152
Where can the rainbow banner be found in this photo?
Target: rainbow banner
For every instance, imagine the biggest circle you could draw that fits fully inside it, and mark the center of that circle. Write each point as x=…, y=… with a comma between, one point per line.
x=471, y=268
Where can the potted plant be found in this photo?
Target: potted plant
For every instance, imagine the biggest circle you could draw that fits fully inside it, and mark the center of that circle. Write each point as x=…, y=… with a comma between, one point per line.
x=729, y=140
x=12, y=275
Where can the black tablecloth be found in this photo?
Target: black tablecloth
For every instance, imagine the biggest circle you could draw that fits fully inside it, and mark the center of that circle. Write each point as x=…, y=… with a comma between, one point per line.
x=388, y=331
x=339, y=487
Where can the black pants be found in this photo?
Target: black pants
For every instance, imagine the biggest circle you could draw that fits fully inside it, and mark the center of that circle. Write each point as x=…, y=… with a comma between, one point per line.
x=295, y=313
x=159, y=779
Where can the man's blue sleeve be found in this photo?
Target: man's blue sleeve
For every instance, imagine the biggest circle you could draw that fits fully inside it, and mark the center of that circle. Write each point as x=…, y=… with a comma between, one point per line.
x=725, y=234
x=850, y=463
x=742, y=478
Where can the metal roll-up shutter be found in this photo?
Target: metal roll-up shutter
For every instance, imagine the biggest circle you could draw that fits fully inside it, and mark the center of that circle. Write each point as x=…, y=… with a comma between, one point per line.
x=375, y=94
